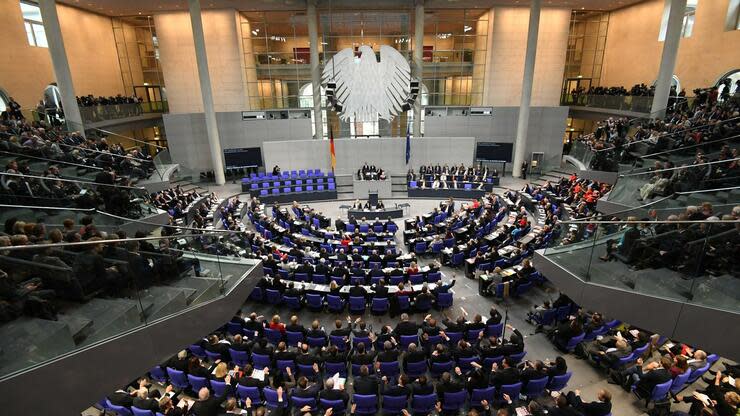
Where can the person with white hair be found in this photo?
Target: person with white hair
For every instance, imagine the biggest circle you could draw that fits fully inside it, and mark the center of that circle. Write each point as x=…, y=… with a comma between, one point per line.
x=208, y=405
x=142, y=400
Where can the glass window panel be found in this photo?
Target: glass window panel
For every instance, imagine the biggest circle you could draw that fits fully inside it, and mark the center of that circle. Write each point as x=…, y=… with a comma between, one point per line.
x=31, y=12
x=40, y=35
x=29, y=34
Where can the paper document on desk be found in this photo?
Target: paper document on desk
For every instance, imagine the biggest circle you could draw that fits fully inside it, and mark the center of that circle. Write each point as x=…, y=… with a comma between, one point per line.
x=522, y=411
x=338, y=382
x=703, y=398
x=258, y=374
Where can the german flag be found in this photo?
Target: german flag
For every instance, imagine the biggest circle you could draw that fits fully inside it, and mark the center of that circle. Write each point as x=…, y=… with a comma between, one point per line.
x=331, y=149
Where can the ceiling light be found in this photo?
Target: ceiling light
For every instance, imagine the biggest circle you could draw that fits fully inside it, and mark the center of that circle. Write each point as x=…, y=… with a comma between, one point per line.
x=467, y=28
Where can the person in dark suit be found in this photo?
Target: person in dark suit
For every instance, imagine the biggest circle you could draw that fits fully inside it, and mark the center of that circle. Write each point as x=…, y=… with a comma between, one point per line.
x=357, y=291
x=401, y=388
x=532, y=371
x=601, y=407
x=495, y=317
x=142, y=400
x=507, y=374
x=563, y=408
x=422, y=386
x=362, y=356
x=294, y=326
x=389, y=354
x=121, y=398
x=305, y=389
x=380, y=290
x=315, y=331
x=449, y=384
x=651, y=375
x=366, y=383
x=413, y=355
x=178, y=362
x=330, y=393
x=406, y=327
x=208, y=405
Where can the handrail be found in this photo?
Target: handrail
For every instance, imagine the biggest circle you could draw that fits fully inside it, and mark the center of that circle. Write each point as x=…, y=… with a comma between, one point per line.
x=50, y=160
x=720, y=221
x=585, y=219
x=698, y=191
x=110, y=133
x=679, y=167
x=106, y=241
x=671, y=133
x=48, y=208
x=118, y=217
x=87, y=149
x=689, y=147
x=54, y=178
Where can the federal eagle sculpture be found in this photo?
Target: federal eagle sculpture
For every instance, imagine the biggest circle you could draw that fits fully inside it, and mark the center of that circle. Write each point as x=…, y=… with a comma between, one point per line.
x=368, y=89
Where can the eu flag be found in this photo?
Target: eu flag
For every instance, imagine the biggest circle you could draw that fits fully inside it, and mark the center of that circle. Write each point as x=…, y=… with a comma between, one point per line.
x=408, y=144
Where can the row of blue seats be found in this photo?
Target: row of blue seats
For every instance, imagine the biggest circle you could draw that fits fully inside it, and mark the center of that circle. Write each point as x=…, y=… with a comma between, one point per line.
x=319, y=279
x=289, y=174
x=356, y=305
x=467, y=185
x=278, y=183
x=297, y=189
x=274, y=337
x=367, y=404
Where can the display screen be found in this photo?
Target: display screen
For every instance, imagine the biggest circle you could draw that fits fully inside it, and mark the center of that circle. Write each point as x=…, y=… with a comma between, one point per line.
x=243, y=157
x=491, y=151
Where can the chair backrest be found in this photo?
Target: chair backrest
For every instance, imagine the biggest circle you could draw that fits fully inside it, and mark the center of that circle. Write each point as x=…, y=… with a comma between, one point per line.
x=293, y=338
x=335, y=302
x=439, y=368
x=560, y=382
x=333, y=368
x=408, y=339
x=299, y=402
x=512, y=390
x=698, y=373
x=177, y=378
x=389, y=368
x=197, y=383
x=271, y=398
x=444, y=300
x=158, y=374
x=121, y=410
x=416, y=369
x=536, y=387
x=367, y=404
x=240, y=358
x=261, y=360
x=394, y=404
x=680, y=381
x=454, y=400
x=423, y=404
x=316, y=342
x=454, y=337
x=337, y=406
x=517, y=357
x=573, y=341
x=478, y=395
x=356, y=303
x=252, y=392
x=661, y=390
x=219, y=387
x=494, y=330
x=380, y=305
x=141, y=412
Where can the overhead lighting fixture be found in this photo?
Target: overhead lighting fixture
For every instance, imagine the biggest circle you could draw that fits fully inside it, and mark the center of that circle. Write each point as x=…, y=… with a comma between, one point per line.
x=468, y=28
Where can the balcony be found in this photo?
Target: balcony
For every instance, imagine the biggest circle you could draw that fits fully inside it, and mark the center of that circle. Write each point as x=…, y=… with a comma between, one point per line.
x=103, y=115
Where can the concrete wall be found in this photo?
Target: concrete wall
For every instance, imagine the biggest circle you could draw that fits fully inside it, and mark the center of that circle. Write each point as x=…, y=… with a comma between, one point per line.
x=225, y=62
x=388, y=154
x=186, y=136
x=633, y=38
x=507, y=50
x=26, y=70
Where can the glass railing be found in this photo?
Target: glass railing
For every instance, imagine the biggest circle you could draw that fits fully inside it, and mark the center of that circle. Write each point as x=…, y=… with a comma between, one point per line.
x=68, y=296
x=685, y=261
x=98, y=113
x=644, y=185
x=634, y=103
x=51, y=191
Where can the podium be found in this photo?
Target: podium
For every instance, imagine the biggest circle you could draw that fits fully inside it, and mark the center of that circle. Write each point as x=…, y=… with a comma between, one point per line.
x=372, y=197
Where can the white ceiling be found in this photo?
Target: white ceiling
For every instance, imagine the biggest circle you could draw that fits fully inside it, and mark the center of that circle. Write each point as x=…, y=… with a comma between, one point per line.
x=134, y=7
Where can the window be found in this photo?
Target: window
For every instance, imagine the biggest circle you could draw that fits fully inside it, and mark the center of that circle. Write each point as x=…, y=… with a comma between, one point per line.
x=34, y=25
x=728, y=84
x=689, y=15
x=732, y=22
x=3, y=101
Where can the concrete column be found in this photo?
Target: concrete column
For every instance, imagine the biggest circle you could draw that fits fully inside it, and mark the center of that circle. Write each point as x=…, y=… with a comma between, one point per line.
x=668, y=59
x=201, y=57
x=520, y=145
x=61, y=65
x=417, y=67
x=313, y=39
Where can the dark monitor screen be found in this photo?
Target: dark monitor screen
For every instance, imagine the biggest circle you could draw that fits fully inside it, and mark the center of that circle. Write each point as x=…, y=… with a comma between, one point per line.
x=242, y=157
x=490, y=151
